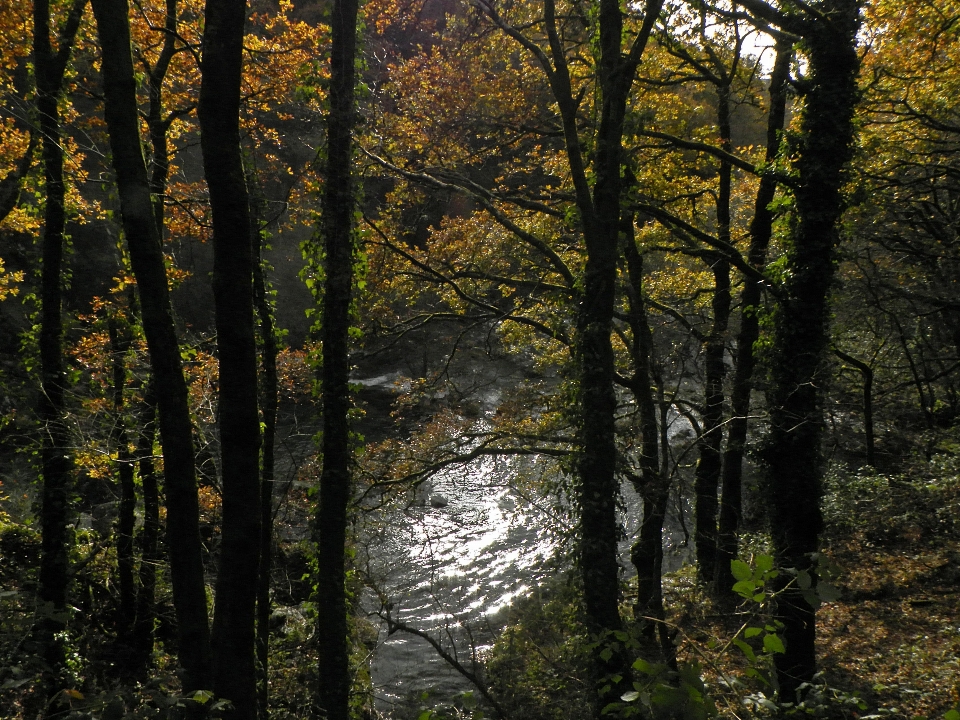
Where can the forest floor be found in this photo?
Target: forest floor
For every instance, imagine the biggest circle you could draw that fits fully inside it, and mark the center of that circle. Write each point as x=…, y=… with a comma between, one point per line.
x=890, y=645
x=894, y=636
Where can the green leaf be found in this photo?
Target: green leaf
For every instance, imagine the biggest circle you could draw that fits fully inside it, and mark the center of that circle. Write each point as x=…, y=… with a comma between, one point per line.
x=647, y=668
x=759, y=597
x=773, y=644
x=952, y=715
x=745, y=588
x=829, y=593
x=740, y=570
x=764, y=563
x=631, y=696
x=752, y=632
x=202, y=696
x=746, y=650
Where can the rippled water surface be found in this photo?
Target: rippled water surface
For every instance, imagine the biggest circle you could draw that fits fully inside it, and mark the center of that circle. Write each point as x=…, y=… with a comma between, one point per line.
x=457, y=553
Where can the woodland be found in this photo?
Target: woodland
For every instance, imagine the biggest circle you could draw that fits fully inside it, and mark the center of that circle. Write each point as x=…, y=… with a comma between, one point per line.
x=674, y=285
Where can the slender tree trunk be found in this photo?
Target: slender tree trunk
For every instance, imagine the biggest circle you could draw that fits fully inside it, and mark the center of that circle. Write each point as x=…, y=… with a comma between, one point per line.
x=56, y=463
x=709, y=466
x=235, y=676
x=126, y=615
x=149, y=535
x=337, y=228
x=157, y=123
x=792, y=451
x=867, y=372
x=146, y=257
x=268, y=404
x=761, y=230
x=652, y=486
x=600, y=212
x=598, y=486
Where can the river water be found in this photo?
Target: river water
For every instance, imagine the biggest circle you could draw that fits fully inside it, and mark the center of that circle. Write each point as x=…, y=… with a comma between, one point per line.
x=455, y=554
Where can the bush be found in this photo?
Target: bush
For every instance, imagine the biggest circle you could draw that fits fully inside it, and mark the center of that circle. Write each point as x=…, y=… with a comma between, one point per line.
x=540, y=664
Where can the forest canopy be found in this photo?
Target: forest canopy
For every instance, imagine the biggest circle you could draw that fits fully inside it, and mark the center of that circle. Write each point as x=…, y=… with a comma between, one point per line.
x=462, y=358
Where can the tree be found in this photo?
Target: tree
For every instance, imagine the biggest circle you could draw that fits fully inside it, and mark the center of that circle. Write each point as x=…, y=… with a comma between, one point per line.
x=335, y=480
x=233, y=637
x=761, y=232
x=599, y=211
x=828, y=31
x=56, y=466
x=146, y=256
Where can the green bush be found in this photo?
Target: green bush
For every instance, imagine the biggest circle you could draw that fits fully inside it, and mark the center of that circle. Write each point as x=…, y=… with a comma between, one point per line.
x=540, y=664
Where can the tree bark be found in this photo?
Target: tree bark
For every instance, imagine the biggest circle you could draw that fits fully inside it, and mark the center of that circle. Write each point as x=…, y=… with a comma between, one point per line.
x=155, y=120
x=268, y=403
x=709, y=466
x=335, y=480
x=126, y=614
x=150, y=533
x=650, y=484
x=761, y=230
x=867, y=372
x=56, y=463
x=146, y=257
x=596, y=465
x=235, y=676
x=792, y=450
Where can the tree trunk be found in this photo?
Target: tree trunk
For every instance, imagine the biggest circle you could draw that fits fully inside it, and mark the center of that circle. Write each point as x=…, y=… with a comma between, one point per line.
x=792, y=451
x=149, y=535
x=235, y=676
x=596, y=466
x=155, y=121
x=268, y=403
x=337, y=228
x=651, y=485
x=867, y=372
x=126, y=615
x=146, y=257
x=709, y=466
x=761, y=230
x=56, y=463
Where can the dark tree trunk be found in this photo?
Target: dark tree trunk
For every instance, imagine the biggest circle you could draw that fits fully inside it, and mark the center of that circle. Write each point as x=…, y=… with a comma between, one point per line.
x=234, y=621
x=867, y=372
x=126, y=614
x=268, y=404
x=709, y=466
x=652, y=486
x=792, y=451
x=150, y=533
x=337, y=228
x=157, y=123
x=596, y=466
x=146, y=257
x=56, y=463
x=761, y=230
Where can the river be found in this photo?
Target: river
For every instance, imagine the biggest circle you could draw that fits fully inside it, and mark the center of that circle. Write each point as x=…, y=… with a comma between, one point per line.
x=452, y=556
